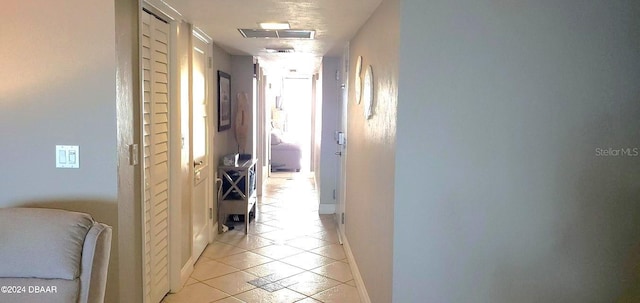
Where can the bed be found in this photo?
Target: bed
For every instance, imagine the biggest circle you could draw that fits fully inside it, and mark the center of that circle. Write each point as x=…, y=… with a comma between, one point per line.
x=285, y=153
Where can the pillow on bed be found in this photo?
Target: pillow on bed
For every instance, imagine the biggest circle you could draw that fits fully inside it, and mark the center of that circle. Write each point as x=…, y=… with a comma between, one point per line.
x=276, y=138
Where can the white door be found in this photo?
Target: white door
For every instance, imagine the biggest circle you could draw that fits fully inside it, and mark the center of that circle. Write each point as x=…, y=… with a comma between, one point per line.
x=155, y=131
x=341, y=149
x=202, y=187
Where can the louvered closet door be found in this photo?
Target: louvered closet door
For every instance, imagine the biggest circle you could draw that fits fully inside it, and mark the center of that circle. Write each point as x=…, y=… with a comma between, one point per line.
x=155, y=57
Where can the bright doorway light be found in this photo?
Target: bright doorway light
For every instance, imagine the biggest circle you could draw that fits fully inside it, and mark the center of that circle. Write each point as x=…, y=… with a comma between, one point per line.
x=297, y=95
x=274, y=25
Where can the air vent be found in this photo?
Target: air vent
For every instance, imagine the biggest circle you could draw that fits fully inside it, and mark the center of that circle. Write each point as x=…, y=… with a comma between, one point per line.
x=275, y=34
x=296, y=34
x=258, y=33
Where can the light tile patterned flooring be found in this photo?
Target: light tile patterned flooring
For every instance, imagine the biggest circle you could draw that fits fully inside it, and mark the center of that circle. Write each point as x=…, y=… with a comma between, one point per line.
x=291, y=254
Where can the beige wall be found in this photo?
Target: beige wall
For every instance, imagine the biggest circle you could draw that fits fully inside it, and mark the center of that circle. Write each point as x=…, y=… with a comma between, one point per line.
x=60, y=89
x=129, y=272
x=500, y=193
x=51, y=89
x=371, y=152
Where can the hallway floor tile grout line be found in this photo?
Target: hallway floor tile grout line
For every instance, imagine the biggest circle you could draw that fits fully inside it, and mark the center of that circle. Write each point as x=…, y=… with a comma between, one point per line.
x=291, y=254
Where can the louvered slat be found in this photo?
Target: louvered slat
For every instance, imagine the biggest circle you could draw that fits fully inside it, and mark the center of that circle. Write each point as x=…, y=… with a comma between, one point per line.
x=162, y=98
x=155, y=60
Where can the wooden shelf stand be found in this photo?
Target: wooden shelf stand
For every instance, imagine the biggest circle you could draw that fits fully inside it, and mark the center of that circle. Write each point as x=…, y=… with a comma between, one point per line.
x=238, y=194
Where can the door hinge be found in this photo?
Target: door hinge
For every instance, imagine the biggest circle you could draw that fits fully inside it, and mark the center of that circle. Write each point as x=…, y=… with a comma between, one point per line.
x=133, y=154
x=334, y=194
x=342, y=218
x=210, y=62
x=210, y=213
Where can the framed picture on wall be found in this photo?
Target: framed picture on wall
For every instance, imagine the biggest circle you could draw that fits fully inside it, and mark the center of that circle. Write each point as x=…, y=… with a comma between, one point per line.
x=224, y=101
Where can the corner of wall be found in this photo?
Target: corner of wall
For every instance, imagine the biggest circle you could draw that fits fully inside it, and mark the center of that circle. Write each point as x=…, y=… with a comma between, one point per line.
x=371, y=150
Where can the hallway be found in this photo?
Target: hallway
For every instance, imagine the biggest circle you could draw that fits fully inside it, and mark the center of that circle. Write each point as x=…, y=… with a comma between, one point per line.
x=291, y=254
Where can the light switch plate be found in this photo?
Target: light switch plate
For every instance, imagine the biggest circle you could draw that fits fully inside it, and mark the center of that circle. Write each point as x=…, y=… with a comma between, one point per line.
x=67, y=156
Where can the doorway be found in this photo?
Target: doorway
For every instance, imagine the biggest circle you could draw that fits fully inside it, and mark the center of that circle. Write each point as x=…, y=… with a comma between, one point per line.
x=291, y=120
x=200, y=126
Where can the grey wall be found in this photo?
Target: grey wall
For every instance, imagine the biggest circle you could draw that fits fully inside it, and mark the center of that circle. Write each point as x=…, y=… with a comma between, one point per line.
x=224, y=142
x=371, y=152
x=328, y=158
x=242, y=81
x=60, y=89
x=500, y=194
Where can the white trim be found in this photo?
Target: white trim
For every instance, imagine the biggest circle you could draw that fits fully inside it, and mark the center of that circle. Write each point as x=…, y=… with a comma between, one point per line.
x=200, y=34
x=362, y=290
x=140, y=167
x=165, y=9
x=175, y=169
x=327, y=209
x=185, y=273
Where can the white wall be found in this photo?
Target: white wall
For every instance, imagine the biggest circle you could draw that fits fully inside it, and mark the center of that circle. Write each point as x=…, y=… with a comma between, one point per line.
x=500, y=196
x=371, y=152
x=316, y=88
x=328, y=158
x=316, y=124
x=57, y=86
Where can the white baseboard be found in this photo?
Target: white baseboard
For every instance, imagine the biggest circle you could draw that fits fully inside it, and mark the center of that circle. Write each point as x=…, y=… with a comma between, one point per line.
x=186, y=271
x=362, y=290
x=213, y=233
x=327, y=209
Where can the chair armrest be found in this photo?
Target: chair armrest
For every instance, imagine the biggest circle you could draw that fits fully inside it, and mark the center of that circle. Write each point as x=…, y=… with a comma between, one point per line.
x=95, y=262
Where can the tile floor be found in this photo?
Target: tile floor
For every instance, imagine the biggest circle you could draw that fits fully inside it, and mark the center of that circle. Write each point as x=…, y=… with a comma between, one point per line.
x=291, y=254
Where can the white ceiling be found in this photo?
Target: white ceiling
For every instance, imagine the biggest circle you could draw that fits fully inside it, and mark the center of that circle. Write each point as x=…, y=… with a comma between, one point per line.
x=335, y=23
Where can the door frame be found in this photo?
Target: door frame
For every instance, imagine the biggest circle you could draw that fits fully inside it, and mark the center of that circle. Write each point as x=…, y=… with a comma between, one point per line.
x=177, y=274
x=175, y=144
x=180, y=144
x=342, y=127
x=261, y=129
x=203, y=37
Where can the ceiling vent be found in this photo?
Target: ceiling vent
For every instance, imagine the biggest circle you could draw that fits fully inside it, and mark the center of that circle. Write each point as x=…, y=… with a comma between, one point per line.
x=258, y=33
x=296, y=34
x=277, y=34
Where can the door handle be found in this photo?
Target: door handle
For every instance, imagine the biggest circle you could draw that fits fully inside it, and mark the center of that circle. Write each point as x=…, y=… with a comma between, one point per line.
x=338, y=153
x=196, y=164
